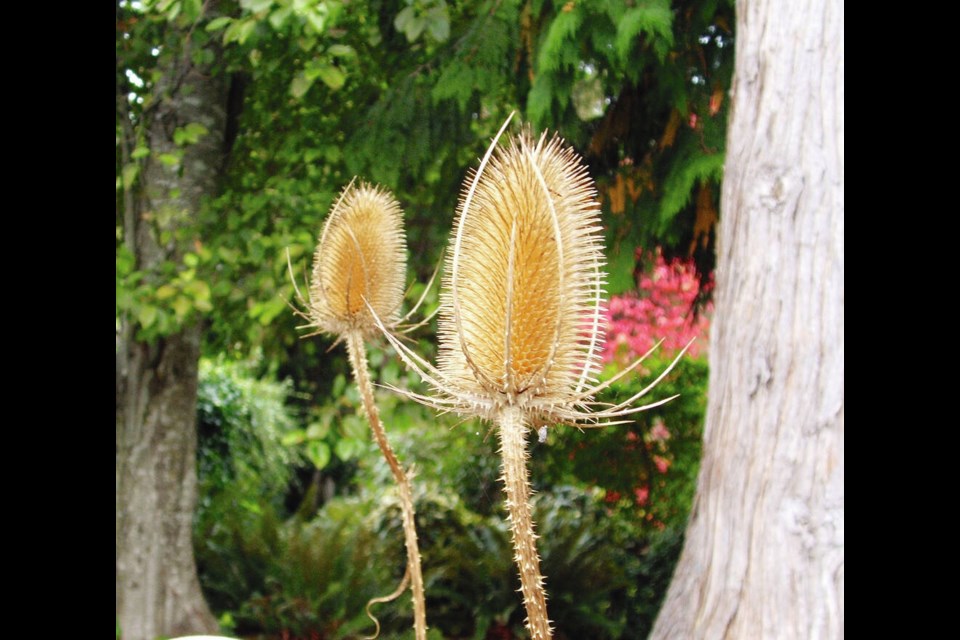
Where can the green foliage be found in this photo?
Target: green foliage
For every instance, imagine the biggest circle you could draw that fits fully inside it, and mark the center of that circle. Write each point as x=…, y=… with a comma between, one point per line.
x=559, y=47
x=607, y=561
x=295, y=577
x=627, y=462
x=653, y=20
x=242, y=424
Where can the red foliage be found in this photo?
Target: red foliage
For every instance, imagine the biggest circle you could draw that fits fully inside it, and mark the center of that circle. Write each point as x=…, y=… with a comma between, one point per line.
x=661, y=308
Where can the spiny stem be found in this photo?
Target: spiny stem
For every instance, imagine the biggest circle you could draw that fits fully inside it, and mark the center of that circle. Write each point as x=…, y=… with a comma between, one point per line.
x=358, y=360
x=513, y=449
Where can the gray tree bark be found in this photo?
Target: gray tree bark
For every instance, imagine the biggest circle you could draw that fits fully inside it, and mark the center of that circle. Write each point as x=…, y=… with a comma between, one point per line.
x=158, y=593
x=764, y=546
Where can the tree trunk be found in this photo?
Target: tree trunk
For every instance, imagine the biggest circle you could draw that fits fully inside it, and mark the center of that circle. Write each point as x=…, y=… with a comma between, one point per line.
x=158, y=593
x=764, y=546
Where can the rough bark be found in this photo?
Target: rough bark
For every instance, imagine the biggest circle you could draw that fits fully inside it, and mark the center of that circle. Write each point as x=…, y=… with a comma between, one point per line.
x=158, y=593
x=764, y=547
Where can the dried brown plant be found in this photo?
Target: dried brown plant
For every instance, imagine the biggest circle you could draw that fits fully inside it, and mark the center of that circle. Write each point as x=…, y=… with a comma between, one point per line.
x=521, y=320
x=357, y=283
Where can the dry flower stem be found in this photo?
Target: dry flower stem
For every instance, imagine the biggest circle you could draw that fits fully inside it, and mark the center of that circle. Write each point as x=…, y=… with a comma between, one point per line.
x=358, y=360
x=513, y=451
x=520, y=319
x=358, y=273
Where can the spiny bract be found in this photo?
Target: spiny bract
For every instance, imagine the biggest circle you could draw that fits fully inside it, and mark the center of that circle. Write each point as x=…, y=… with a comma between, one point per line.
x=360, y=263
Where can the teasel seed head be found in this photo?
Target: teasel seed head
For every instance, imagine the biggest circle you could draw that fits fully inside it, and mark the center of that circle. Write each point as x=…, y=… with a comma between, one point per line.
x=521, y=316
x=359, y=264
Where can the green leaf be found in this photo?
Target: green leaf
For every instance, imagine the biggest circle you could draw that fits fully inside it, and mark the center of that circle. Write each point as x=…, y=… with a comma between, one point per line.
x=342, y=51
x=355, y=427
x=174, y=11
x=339, y=384
x=409, y=23
x=279, y=16
x=539, y=99
x=318, y=430
x=199, y=291
x=560, y=40
x=348, y=448
x=189, y=134
x=146, y=315
x=300, y=85
x=319, y=453
x=332, y=76
x=294, y=437
x=239, y=31
x=270, y=310
x=166, y=291
x=620, y=266
x=140, y=152
x=438, y=22
x=191, y=9
x=255, y=6
x=191, y=259
x=130, y=173
x=405, y=16
x=653, y=19
x=317, y=21
x=679, y=184
x=169, y=159
x=181, y=306
x=218, y=23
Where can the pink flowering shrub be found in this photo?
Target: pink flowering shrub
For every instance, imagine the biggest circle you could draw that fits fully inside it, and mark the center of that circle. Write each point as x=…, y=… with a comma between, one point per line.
x=662, y=308
x=654, y=462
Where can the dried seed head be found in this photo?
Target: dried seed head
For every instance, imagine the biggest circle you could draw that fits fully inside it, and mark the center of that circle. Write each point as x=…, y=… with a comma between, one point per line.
x=521, y=294
x=360, y=263
x=521, y=302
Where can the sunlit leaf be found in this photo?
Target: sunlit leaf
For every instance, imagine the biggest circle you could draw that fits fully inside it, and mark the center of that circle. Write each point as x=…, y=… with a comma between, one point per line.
x=318, y=430
x=300, y=85
x=319, y=453
x=130, y=173
x=294, y=437
x=169, y=159
x=255, y=6
x=279, y=16
x=146, y=315
x=181, y=306
x=332, y=76
x=342, y=50
x=218, y=23
x=191, y=9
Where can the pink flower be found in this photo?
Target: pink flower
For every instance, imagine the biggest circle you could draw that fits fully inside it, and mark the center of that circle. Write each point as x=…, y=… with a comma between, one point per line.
x=659, y=309
x=641, y=495
x=659, y=432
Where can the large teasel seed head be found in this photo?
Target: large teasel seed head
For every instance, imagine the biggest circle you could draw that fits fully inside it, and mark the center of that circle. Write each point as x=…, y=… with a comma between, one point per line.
x=360, y=263
x=521, y=315
x=521, y=296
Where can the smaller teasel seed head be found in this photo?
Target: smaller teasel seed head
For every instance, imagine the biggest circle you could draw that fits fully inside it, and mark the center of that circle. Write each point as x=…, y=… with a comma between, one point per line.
x=360, y=263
